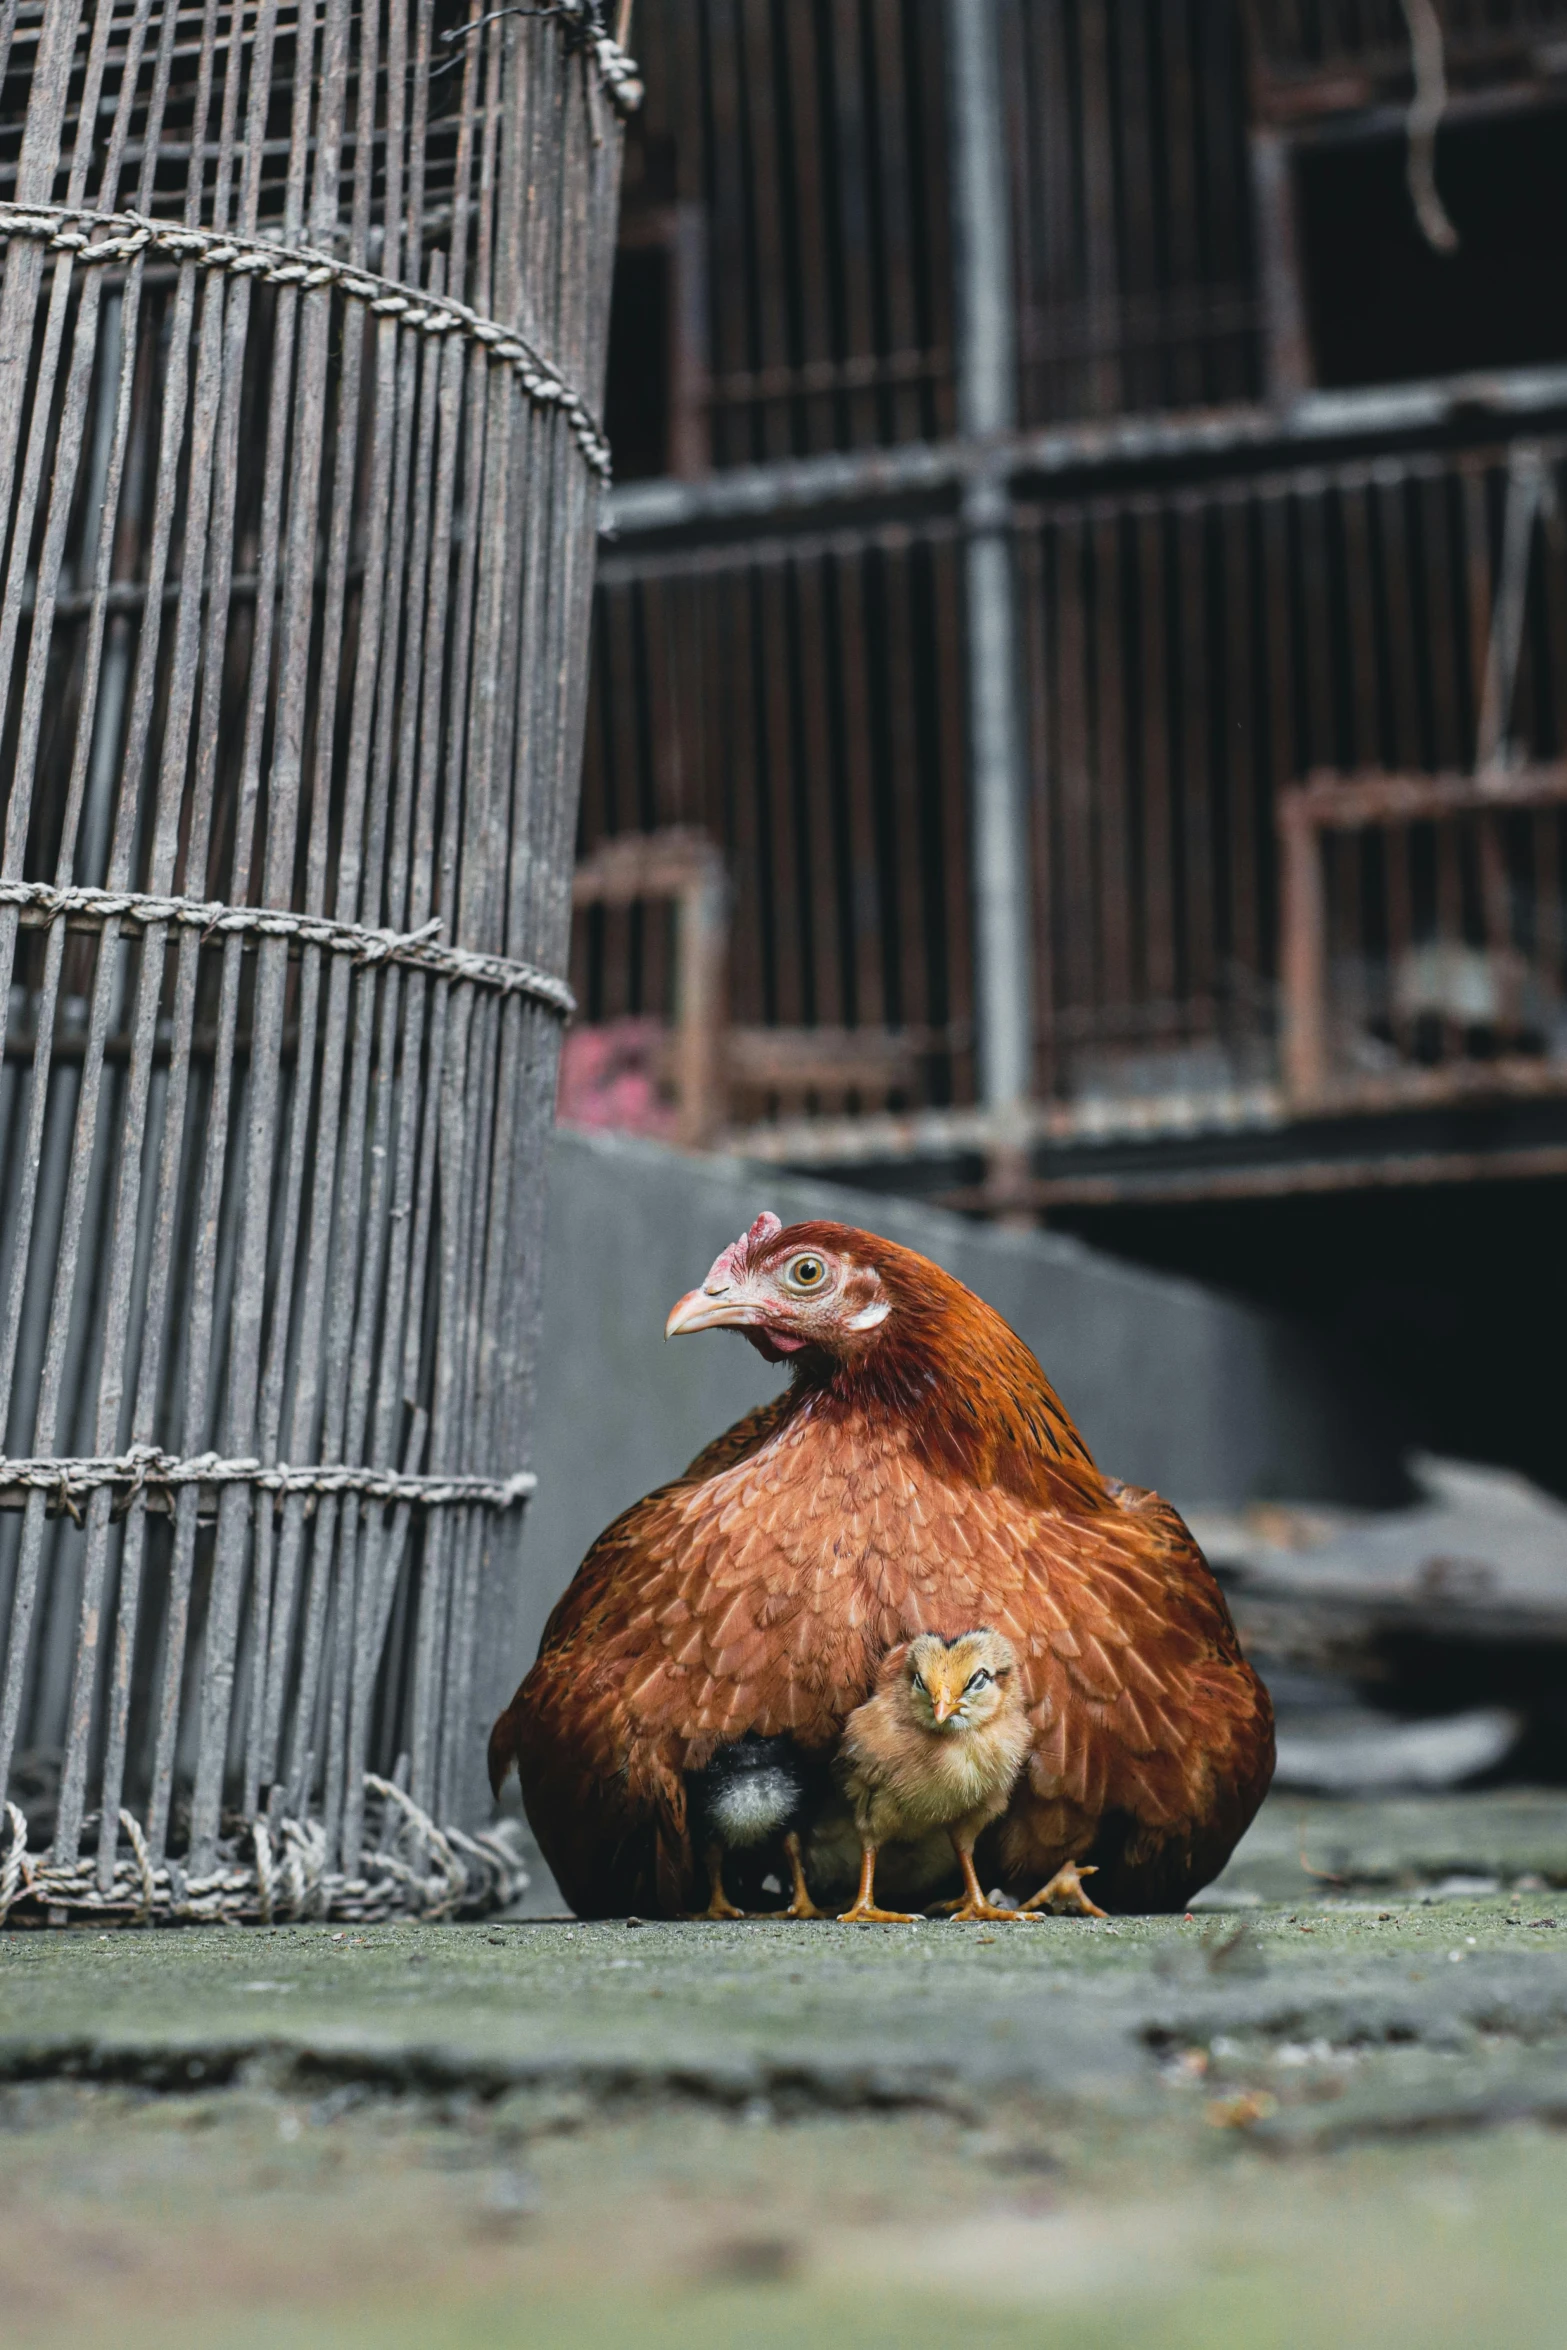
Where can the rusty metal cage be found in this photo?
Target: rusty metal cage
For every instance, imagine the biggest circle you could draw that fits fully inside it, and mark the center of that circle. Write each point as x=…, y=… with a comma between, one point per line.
x=1143, y=737
x=303, y=321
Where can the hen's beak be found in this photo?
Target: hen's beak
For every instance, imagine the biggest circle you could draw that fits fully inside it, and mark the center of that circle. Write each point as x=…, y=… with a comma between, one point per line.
x=699, y=1309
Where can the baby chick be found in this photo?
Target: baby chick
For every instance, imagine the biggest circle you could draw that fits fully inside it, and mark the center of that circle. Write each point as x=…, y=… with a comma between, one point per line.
x=938, y=1746
x=752, y=1793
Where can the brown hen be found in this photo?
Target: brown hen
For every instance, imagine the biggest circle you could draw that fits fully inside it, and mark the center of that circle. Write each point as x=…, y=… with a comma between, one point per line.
x=919, y=1474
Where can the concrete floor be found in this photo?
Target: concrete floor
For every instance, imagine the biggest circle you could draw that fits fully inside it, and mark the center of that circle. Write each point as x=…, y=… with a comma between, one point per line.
x=1331, y=2107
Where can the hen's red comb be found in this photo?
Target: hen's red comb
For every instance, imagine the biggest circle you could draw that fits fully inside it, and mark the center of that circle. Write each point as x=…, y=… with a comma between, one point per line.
x=730, y=1264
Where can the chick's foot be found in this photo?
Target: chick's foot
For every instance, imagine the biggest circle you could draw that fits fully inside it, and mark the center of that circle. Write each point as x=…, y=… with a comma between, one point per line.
x=719, y=1904
x=718, y=1909
x=975, y=1902
x=800, y=1903
x=1067, y=1888
x=865, y=1912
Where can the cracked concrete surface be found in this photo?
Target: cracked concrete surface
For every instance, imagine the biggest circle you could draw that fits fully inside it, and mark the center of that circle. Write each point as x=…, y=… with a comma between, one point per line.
x=1329, y=2106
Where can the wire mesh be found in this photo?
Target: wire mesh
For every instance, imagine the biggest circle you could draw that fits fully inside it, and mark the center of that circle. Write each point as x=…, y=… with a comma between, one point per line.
x=304, y=312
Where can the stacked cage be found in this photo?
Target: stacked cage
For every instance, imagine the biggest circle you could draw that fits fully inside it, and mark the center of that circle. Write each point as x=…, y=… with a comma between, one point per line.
x=303, y=323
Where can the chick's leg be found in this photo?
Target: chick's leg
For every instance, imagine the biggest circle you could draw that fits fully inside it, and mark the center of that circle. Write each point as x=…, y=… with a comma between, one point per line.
x=719, y=1904
x=865, y=1912
x=974, y=1903
x=801, y=1905
x=1066, y=1886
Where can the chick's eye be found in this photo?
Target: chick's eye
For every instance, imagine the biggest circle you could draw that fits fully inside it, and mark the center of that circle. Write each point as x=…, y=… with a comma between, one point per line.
x=806, y=1273
x=919, y=1683
x=979, y=1680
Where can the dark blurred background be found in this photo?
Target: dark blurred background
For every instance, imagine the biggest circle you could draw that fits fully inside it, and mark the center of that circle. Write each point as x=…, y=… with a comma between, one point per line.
x=1077, y=730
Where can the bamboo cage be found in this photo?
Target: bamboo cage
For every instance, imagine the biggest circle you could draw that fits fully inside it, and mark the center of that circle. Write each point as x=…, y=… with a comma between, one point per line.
x=303, y=322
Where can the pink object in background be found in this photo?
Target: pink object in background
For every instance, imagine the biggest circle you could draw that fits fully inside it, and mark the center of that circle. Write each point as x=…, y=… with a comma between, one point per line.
x=609, y=1078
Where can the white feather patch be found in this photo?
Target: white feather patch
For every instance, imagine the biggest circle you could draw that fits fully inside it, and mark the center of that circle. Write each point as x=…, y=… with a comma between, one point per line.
x=869, y=1316
x=752, y=1808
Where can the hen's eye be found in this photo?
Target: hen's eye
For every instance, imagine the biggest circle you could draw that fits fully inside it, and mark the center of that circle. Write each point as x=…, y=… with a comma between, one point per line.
x=979, y=1680
x=806, y=1273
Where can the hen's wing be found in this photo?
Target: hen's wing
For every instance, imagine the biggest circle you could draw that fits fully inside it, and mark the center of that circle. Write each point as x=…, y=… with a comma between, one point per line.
x=643, y=1528
x=1153, y=1740
x=600, y=1825
x=600, y=1729
x=1153, y=1736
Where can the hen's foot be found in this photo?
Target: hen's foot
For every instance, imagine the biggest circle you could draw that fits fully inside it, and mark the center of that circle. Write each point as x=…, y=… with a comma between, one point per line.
x=1066, y=1887
x=802, y=1906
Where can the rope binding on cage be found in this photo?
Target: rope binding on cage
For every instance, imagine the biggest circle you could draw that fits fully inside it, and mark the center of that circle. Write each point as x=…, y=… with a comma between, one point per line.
x=110, y=237
x=420, y=950
x=582, y=22
x=145, y=1466
x=415, y=1869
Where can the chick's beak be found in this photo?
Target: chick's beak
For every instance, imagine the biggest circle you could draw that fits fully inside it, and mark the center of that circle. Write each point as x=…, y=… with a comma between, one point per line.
x=941, y=1706
x=699, y=1309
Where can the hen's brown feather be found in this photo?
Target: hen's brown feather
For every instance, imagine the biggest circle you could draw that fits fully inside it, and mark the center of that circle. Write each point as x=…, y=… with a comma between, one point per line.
x=761, y=1589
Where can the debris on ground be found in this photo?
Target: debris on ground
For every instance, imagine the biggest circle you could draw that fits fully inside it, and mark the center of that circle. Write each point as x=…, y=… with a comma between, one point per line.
x=1422, y=1647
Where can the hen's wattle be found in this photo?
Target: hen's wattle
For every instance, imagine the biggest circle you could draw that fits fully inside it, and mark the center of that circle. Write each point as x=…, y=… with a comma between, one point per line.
x=922, y=1476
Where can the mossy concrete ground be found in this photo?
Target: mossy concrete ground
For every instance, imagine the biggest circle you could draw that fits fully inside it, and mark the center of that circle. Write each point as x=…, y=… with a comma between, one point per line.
x=1330, y=2107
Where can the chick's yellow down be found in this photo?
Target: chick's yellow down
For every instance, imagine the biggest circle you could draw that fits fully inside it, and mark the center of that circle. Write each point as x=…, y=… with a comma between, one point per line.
x=939, y=1745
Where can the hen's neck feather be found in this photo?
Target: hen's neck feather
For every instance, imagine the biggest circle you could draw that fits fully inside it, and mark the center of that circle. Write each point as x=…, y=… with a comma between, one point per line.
x=971, y=1398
